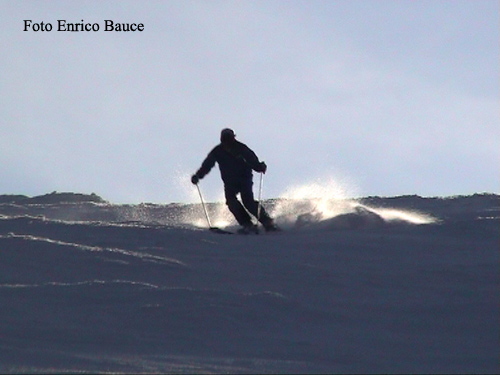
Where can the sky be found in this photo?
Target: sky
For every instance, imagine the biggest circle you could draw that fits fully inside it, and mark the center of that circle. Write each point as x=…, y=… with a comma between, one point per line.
x=363, y=98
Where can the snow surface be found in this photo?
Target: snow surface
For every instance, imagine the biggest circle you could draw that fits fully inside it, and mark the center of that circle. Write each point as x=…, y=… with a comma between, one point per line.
x=374, y=285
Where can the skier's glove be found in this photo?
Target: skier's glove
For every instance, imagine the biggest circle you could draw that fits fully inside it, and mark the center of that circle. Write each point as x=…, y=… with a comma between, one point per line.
x=195, y=179
x=262, y=167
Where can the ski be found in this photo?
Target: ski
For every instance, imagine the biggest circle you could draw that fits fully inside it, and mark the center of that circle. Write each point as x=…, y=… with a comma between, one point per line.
x=223, y=231
x=219, y=231
x=242, y=232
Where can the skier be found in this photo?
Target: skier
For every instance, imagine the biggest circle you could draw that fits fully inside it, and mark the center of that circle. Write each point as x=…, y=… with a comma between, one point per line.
x=236, y=162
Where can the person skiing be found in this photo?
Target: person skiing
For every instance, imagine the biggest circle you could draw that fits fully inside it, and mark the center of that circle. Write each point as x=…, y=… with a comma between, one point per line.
x=236, y=162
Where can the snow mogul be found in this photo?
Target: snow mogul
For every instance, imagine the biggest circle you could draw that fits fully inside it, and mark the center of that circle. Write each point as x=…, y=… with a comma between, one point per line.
x=236, y=162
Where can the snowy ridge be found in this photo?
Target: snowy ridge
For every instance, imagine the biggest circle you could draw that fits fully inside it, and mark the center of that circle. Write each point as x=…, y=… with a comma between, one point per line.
x=343, y=289
x=288, y=211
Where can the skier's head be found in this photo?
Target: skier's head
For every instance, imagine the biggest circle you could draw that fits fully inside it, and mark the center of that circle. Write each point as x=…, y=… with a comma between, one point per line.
x=227, y=136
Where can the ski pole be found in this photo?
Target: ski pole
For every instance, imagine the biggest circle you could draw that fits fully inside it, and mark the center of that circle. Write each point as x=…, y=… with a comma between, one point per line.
x=260, y=196
x=204, y=207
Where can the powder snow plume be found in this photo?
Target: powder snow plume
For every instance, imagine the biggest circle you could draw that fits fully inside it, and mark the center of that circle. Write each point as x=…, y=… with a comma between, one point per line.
x=319, y=201
x=322, y=200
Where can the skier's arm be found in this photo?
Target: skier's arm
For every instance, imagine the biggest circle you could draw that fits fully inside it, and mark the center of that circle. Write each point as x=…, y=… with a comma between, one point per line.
x=206, y=166
x=252, y=160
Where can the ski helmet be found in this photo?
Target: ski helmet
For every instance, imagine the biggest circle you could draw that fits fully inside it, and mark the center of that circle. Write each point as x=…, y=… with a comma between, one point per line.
x=227, y=135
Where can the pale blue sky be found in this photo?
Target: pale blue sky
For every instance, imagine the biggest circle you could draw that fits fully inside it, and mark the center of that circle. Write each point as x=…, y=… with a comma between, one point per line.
x=381, y=97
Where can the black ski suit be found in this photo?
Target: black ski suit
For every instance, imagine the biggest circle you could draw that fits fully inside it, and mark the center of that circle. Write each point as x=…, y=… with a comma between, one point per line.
x=236, y=163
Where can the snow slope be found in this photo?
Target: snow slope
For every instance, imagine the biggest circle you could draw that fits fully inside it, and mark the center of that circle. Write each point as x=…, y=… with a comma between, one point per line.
x=396, y=285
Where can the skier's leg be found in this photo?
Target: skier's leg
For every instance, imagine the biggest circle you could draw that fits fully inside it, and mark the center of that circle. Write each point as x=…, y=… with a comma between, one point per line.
x=252, y=205
x=234, y=205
